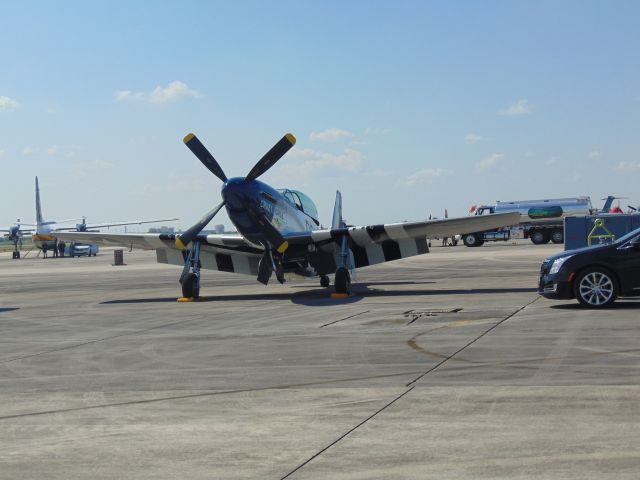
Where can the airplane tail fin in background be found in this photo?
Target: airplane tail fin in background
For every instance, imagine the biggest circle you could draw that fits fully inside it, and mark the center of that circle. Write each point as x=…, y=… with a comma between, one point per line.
x=39, y=219
x=337, y=221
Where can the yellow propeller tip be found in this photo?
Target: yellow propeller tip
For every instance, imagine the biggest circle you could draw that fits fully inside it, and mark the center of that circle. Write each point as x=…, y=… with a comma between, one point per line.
x=188, y=138
x=179, y=244
x=283, y=248
x=291, y=138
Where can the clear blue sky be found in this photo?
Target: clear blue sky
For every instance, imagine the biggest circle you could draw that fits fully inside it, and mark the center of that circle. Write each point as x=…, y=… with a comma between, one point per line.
x=407, y=107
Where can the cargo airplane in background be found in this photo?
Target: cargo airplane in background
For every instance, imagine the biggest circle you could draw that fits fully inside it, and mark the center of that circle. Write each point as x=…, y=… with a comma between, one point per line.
x=279, y=233
x=46, y=232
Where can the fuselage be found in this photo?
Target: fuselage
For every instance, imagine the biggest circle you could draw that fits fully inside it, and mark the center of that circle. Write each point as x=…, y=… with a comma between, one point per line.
x=288, y=211
x=44, y=236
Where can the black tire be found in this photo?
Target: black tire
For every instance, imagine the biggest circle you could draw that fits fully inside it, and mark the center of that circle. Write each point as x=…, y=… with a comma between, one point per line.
x=472, y=239
x=342, y=281
x=596, y=287
x=557, y=236
x=324, y=281
x=189, y=289
x=539, y=237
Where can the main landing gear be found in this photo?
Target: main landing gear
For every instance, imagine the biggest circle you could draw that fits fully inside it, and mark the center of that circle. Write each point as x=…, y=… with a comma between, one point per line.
x=343, y=281
x=190, y=277
x=324, y=281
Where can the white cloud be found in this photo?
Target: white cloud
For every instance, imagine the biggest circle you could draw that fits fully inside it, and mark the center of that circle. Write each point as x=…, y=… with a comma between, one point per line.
x=171, y=93
x=1, y=153
x=473, y=138
x=93, y=165
x=377, y=131
x=330, y=135
x=30, y=150
x=9, y=104
x=313, y=160
x=425, y=175
x=490, y=162
x=593, y=154
x=624, y=167
x=65, y=150
x=521, y=107
x=529, y=154
x=177, y=183
x=552, y=161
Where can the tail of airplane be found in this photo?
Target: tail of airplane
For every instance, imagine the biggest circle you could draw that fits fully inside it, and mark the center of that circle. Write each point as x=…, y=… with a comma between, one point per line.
x=39, y=219
x=337, y=221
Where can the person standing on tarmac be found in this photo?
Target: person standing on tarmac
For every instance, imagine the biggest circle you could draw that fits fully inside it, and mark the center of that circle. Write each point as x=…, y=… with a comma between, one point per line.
x=61, y=246
x=45, y=248
x=55, y=250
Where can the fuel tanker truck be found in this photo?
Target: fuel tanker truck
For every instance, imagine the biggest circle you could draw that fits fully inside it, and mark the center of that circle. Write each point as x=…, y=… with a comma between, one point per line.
x=540, y=220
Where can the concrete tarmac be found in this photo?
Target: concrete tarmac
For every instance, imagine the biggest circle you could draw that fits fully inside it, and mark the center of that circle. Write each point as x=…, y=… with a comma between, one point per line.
x=445, y=366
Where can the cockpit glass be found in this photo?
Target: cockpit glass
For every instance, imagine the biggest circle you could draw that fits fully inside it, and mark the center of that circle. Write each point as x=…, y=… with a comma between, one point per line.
x=307, y=205
x=302, y=202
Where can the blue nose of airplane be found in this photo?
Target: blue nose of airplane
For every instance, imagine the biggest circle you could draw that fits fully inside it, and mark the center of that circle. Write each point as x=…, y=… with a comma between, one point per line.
x=236, y=192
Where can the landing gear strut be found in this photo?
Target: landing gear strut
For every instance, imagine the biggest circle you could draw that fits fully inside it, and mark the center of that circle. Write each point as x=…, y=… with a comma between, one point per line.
x=343, y=278
x=190, y=278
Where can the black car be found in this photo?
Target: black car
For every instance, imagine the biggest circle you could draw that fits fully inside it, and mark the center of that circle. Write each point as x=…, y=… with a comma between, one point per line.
x=595, y=276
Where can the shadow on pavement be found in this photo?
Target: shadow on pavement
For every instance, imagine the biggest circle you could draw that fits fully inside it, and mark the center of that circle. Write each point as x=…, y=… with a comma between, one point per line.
x=321, y=297
x=624, y=305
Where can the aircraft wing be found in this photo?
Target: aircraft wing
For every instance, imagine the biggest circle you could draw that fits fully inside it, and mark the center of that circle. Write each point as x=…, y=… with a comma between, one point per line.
x=224, y=252
x=375, y=244
x=115, y=224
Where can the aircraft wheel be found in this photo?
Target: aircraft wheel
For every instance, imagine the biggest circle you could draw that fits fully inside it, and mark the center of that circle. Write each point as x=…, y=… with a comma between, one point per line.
x=596, y=288
x=189, y=289
x=342, y=281
x=324, y=281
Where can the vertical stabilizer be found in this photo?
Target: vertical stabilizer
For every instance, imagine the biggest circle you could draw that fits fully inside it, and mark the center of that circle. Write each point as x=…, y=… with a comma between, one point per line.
x=39, y=219
x=607, y=204
x=337, y=221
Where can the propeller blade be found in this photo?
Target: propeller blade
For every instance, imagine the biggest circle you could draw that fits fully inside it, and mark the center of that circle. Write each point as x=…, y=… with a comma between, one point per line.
x=184, y=239
x=274, y=237
x=200, y=151
x=265, y=267
x=272, y=156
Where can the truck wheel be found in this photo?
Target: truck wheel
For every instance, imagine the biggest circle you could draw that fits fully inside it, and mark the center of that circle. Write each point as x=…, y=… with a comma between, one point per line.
x=539, y=237
x=472, y=240
x=596, y=288
x=557, y=236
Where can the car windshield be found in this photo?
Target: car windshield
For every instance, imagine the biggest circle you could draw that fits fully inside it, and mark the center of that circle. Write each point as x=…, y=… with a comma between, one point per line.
x=628, y=236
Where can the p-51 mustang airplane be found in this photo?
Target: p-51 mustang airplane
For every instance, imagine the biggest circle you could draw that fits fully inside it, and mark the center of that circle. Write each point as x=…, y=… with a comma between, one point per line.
x=279, y=232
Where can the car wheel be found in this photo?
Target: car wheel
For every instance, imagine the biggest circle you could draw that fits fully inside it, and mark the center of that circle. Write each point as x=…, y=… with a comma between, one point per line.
x=596, y=288
x=557, y=236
